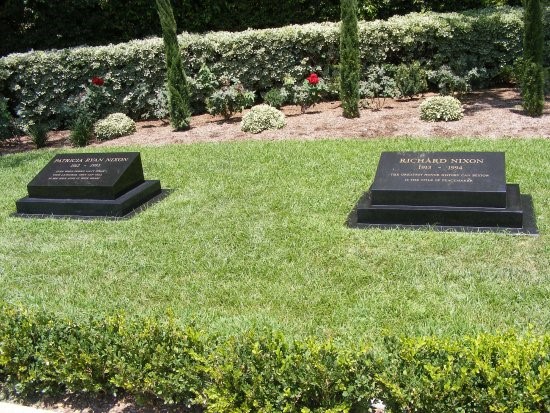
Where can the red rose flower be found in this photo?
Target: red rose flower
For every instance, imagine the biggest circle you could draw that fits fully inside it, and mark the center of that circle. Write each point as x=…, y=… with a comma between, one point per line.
x=97, y=81
x=313, y=79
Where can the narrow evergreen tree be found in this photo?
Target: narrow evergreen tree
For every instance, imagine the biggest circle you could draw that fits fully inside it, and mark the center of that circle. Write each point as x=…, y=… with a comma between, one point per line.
x=178, y=90
x=350, y=61
x=533, y=52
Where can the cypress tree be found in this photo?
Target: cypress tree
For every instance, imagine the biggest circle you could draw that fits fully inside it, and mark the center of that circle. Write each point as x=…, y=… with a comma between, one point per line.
x=533, y=52
x=350, y=61
x=178, y=90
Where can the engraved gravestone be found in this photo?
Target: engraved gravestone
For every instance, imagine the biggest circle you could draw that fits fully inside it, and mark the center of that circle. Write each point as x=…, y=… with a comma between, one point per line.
x=89, y=184
x=441, y=189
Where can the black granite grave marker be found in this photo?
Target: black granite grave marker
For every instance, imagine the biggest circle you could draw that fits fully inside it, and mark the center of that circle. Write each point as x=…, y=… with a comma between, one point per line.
x=89, y=184
x=446, y=190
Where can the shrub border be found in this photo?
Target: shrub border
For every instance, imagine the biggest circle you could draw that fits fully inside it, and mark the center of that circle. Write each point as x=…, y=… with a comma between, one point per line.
x=261, y=370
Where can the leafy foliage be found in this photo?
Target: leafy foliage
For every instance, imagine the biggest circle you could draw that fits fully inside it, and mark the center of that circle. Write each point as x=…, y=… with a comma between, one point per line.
x=350, y=62
x=230, y=99
x=378, y=86
x=43, y=24
x=261, y=370
x=532, y=79
x=96, y=101
x=202, y=86
x=411, y=80
x=178, y=90
x=114, y=126
x=276, y=97
x=487, y=373
x=262, y=117
x=307, y=93
x=7, y=127
x=441, y=108
x=448, y=83
x=38, y=132
x=82, y=130
x=533, y=31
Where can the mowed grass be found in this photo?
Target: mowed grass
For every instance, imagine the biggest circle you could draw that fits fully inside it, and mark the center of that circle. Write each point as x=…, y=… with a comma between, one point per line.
x=254, y=234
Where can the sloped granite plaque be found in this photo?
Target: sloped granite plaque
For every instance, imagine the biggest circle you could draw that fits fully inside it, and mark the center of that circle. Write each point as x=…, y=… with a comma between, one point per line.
x=439, y=178
x=445, y=190
x=89, y=184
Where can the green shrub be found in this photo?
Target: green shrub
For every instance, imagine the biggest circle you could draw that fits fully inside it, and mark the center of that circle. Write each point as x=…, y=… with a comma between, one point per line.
x=82, y=130
x=532, y=88
x=262, y=117
x=40, y=84
x=501, y=372
x=533, y=54
x=261, y=370
x=411, y=80
x=307, y=93
x=7, y=128
x=151, y=359
x=178, y=89
x=202, y=86
x=230, y=99
x=350, y=61
x=448, y=83
x=276, y=97
x=114, y=126
x=38, y=133
x=441, y=108
x=96, y=100
x=378, y=86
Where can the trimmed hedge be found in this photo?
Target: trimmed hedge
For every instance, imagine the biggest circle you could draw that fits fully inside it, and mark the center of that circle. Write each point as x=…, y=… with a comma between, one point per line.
x=157, y=360
x=41, y=84
x=43, y=24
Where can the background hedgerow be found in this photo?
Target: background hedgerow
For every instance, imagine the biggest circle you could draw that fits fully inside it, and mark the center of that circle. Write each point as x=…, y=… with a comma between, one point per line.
x=39, y=84
x=261, y=370
x=43, y=24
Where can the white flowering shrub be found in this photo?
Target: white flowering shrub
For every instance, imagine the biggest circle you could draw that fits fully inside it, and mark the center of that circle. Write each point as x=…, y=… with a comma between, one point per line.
x=441, y=108
x=262, y=117
x=114, y=126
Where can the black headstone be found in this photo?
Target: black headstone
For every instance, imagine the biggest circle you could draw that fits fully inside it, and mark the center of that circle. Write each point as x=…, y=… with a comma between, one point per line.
x=440, y=178
x=89, y=184
x=88, y=175
x=441, y=189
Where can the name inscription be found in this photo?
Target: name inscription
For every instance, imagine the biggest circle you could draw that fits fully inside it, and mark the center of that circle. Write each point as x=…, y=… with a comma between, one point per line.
x=442, y=160
x=82, y=169
x=444, y=170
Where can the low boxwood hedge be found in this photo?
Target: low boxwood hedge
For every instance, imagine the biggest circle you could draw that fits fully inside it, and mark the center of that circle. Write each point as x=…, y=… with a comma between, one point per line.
x=261, y=370
x=42, y=85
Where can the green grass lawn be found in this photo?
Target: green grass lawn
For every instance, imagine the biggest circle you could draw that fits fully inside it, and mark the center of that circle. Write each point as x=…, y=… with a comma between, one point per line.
x=254, y=234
